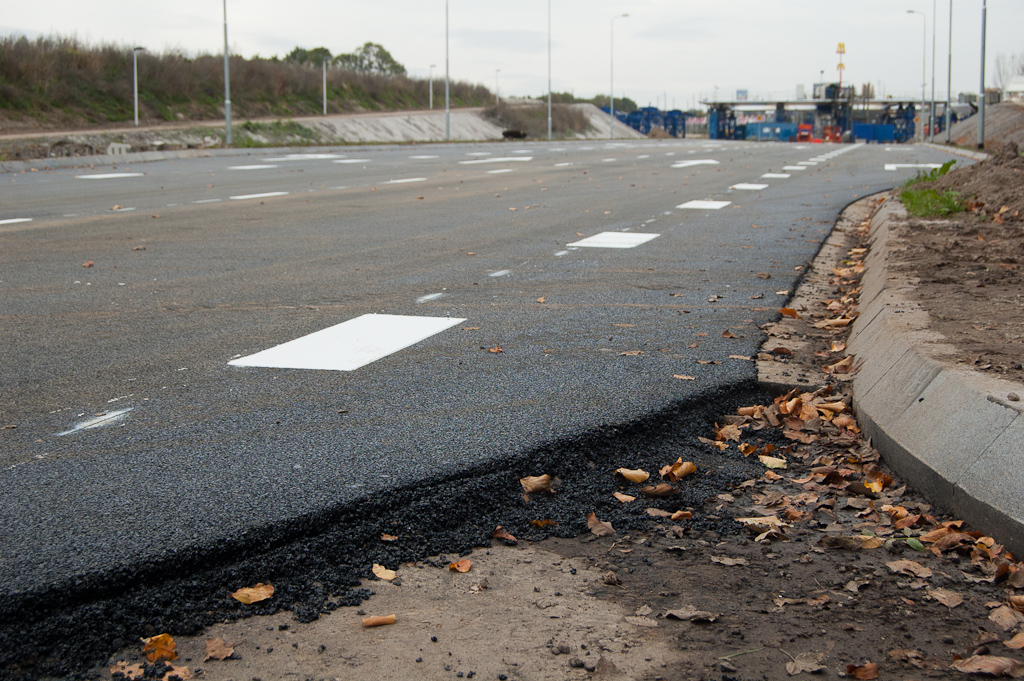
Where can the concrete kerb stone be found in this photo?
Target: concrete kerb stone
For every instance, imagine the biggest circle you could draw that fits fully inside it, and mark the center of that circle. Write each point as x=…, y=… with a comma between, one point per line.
x=947, y=430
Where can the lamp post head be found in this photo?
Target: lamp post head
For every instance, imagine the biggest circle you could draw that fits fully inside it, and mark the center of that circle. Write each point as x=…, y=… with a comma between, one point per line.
x=138, y=49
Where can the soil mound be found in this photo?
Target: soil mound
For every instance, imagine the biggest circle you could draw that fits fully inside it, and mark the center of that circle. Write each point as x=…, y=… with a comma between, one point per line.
x=994, y=186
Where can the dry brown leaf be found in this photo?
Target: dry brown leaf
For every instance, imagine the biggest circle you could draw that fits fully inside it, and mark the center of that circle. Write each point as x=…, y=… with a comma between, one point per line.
x=684, y=377
x=503, y=534
x=909, y=568
x=1017, y=642
x=632, y=475
x=990, y=665
x=642, y=622
x=838, y=346
x=728, y=334
x=538, y=483
x=1006, y=617
x=866, y=671
x=631, y=353
x=948, y=598
x=383, y=573
x=805, y=662
x=624, y=498
x=725, y=560
x=378, y=620
x=495, y=350
x=160, y=647
x=88, y=263
x=662, y=489
x=720, y=446
x=743, y=357
x=599, y=528
x=681, y=515
x=689, y=613
x=254, y=594
x=541, y=300
x=678, y=470
x=543, y=523
x=790, y=312
x=658, y=513
x=843, y=366
x=182, y=673
x=728, y=432
x=463, y=565
x=218, y=649
x=772, y=461
x=388, y=537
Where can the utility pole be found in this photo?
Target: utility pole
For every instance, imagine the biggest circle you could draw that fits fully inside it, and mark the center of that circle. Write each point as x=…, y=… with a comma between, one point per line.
x=981, y=88
x=227, y=81
x=949, y=75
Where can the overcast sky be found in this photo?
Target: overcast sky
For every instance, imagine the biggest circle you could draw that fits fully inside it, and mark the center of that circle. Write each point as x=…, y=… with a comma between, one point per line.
x=674, y=49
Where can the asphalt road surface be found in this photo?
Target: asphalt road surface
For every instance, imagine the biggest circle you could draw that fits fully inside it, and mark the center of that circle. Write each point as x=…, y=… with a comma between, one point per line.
x=144, y=429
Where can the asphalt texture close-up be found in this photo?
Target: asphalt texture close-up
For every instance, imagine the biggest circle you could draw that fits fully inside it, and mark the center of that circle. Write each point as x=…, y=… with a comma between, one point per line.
x=146, y=476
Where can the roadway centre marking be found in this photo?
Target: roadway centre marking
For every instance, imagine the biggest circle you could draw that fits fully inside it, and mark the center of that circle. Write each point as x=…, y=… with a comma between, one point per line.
x=256, y=167
x=704, y=205
x=615, y=240
x=779, y=176
x=500, y=171
x=304, y=157
x=350, y=345
x=257, y=196
x=695, y=162
x=896, y=166
x=807, y=163
x=13, y=221
x=108, y=176
x=749, y=186
x=207, y=201
x=562, y=165
x=478, y=153
x=353, y=160
x=499, y=273
x=794, y=167
x=407, y=180
x=497, y=159
x=423, y=157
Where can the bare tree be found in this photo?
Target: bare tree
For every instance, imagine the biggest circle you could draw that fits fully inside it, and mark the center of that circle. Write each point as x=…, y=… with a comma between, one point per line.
x=1007, y=67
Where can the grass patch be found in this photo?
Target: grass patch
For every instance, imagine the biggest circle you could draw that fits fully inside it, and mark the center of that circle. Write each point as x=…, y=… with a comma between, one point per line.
x=930, y=176
x=931, y=203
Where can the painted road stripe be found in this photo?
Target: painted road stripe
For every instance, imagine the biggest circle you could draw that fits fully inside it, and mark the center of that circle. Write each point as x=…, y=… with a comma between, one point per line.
x=107, y=176
x=350, y=345
x=407, y=180
x=207, y=201
x=499, y=273
x=562, y=165
x=559, y=254
x=644, y=156
x=429, y=297
x=423, y=157
x=897, y=166
x=478, y=153
x=615, y=240
x=257, y=196
x=13, y=221
x=256, y=167
x=748, y=186
x=807, y=163
x=304, y=157
x=695, y=162
x=499, y=171
x=609, y=160
x=107, y=419
x=353, y=160
x=497, y=159
x=778, y=176
x=704, y=205
x=794, y=168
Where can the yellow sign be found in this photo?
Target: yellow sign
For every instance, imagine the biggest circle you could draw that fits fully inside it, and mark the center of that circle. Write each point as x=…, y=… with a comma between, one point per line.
x=841, y=49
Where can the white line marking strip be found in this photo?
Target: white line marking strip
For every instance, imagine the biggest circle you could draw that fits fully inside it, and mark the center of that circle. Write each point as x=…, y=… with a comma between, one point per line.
x=896, y=166
x=615, y=240
x=687, y=164
x=704, y=205
x=350, y=345
x=107, y=176
x=16, y=220
x=499, y=159
x=406, y=181
x=353, y=160
x=780, y=176
x=258, y=196
x=256, y=167
x=753, y=187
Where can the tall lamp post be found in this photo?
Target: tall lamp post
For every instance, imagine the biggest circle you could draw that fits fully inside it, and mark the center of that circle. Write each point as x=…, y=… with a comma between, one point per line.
x=949, y=74
x=135, y=79
x=447, y=98
x=611, y=92
x=924, y=62
x=497, y=95
x=325, y=87
x=981, y=87
x=931, y=123
x=227, y=81
x=432, y=67
x=549, y=69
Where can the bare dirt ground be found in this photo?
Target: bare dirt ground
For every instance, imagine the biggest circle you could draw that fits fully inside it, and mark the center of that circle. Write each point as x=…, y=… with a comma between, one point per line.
x=969, y=268
x=1004, y=122
x=821, y=562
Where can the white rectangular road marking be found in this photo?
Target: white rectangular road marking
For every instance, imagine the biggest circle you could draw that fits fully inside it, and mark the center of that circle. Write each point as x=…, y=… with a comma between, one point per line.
x=794, y=168
x=499, y=171
x=704, y=205
x=350, y=345
x=255, y=167
x=499, y=273
x=13, y=221
x=749, y=186
x=497, y=159
x=562, y=165
x=265, y=195
x=407, y=180
x=107, y=176
x=897, y=166
x=695, y=162
x=423, y=157
x=207, y=201
x=304, y=157
x=353, y=160
x=807, y=163
x=778, y=176
x=615, y=240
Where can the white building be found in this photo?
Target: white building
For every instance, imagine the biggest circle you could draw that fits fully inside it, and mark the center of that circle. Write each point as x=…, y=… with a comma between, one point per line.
x=1014, y=90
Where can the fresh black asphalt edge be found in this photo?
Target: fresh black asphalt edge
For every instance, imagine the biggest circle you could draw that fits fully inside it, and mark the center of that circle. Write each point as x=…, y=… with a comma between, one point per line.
x=315, y=563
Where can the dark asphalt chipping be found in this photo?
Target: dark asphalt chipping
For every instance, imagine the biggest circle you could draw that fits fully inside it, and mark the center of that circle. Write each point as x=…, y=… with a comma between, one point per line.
x=215, y=453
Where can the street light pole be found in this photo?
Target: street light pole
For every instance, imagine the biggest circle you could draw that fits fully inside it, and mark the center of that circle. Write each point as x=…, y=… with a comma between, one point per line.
x=227, y=81
x=611, y=91
x=325, y=87
x=497, y=96
x=931, y=122
x=549, y=69
x=447, y=98
x=432, y=67
x=924, y=63
x=135, y=79
x=949, y=75
x=981, y=92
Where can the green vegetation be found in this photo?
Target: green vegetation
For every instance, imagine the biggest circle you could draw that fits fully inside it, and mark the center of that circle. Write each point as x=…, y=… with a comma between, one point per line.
x=931, y=203
x=58, y=82
x=621, y=103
